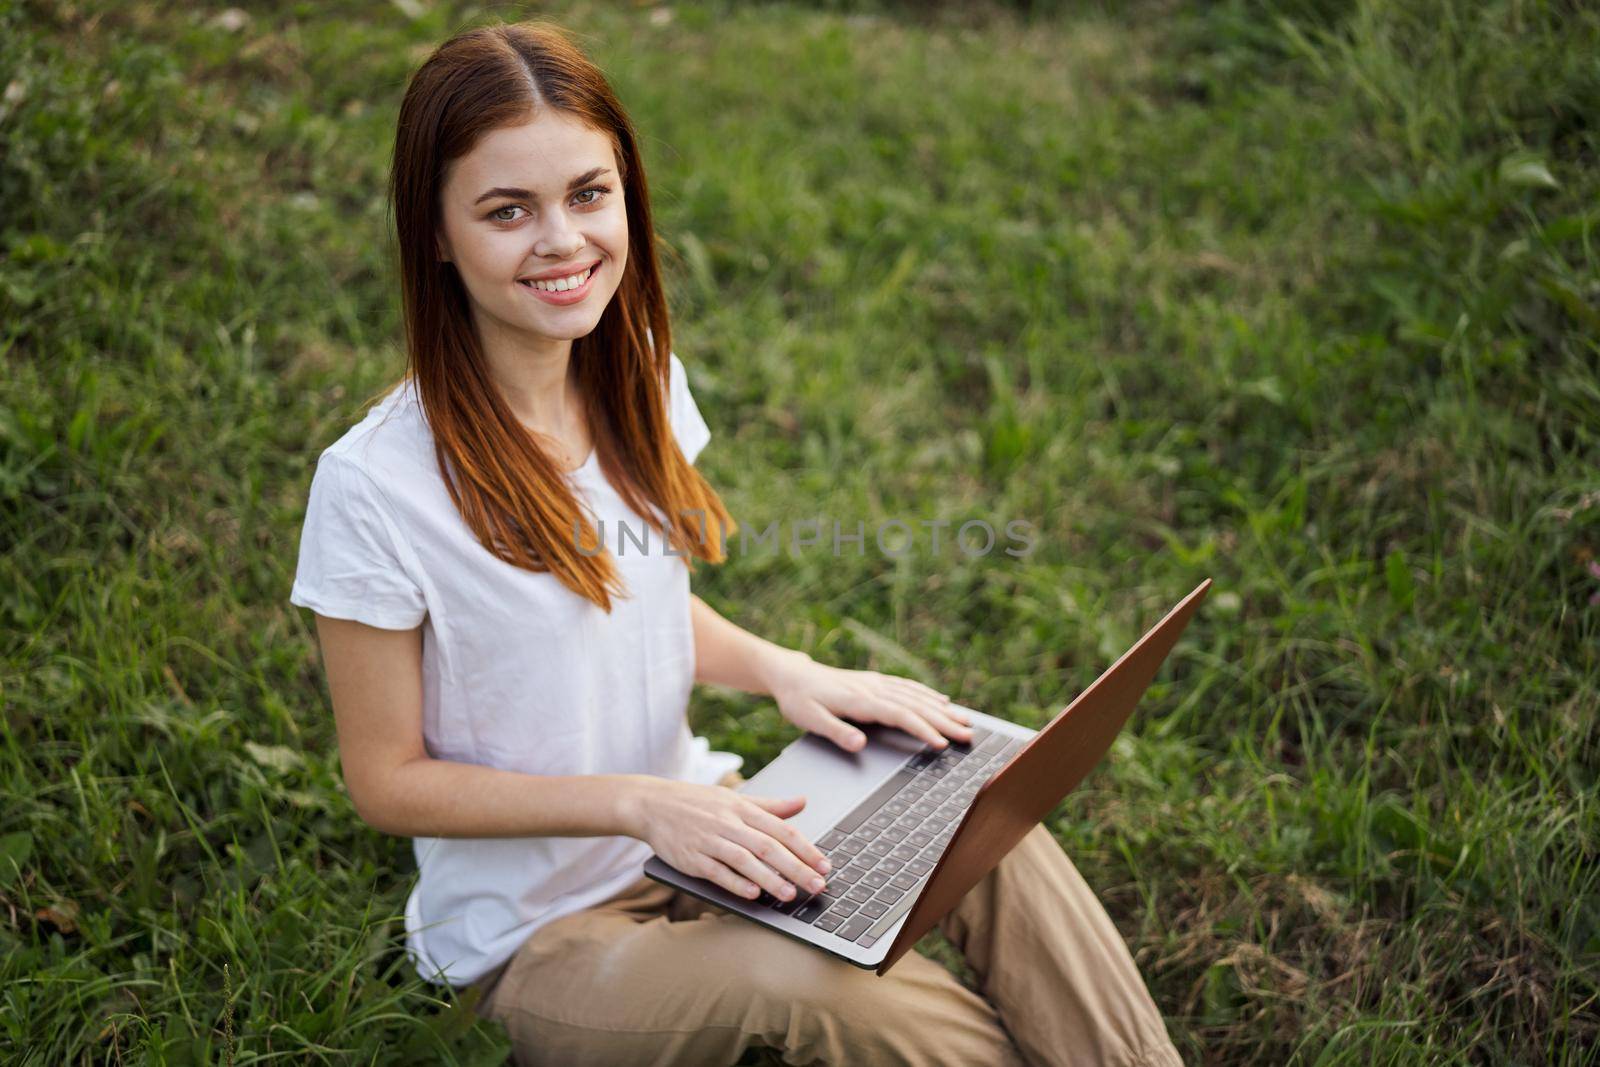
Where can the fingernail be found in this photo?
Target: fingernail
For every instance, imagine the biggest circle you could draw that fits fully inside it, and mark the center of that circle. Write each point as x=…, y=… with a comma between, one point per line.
x=786, y=891
x=825, y=866
x=816, y=885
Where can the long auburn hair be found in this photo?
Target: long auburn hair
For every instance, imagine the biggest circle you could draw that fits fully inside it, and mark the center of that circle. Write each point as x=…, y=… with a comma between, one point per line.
x=509, y=491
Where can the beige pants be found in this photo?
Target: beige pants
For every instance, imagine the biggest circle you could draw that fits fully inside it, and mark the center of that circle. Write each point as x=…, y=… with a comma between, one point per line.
x=655, y=976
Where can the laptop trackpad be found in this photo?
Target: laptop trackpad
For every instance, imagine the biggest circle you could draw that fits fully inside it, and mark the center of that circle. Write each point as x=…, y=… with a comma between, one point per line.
x=832, y=780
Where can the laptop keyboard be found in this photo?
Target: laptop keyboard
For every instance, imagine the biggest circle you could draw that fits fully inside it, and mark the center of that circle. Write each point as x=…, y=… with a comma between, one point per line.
x=884, y=850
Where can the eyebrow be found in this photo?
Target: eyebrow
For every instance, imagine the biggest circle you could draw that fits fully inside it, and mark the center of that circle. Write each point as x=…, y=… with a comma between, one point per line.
x=502, y=190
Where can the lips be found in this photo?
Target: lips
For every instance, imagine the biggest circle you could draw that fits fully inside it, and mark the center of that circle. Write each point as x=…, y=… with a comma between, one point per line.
x=557, y=277
x=564, y=297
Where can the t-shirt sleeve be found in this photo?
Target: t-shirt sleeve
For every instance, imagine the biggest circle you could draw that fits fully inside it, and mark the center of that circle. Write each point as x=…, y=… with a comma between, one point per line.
x=351, y=563
x=687, y=424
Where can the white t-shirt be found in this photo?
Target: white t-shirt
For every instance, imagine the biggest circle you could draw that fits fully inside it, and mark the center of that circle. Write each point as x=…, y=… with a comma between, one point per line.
x=518, y=672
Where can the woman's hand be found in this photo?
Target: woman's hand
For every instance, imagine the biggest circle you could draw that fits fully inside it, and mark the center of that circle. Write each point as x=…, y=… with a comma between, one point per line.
x=738, y=841
x=819, y=698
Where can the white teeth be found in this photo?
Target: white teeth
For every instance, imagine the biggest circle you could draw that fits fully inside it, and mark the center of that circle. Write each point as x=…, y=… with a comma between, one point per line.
x=561, y=285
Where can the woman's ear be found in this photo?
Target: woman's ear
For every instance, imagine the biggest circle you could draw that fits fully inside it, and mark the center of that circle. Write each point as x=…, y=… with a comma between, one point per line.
x=443, y=248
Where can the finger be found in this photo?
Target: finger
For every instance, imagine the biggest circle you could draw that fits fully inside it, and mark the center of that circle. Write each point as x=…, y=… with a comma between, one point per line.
x=898, y=712
x=743, y=861
x=894, y=706
x=782, y=807
x=949, y=725
x=838, y=731
x=714, y=870
x=776, y=854
x=792, y=839
x=941, y=716
x=919, y=689
x=931, y=703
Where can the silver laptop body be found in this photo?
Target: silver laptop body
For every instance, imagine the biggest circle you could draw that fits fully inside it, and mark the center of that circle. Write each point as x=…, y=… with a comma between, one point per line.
x=1009, y=781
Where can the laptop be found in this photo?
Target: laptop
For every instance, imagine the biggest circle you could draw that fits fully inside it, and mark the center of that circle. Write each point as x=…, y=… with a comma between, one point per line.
x=908, y=828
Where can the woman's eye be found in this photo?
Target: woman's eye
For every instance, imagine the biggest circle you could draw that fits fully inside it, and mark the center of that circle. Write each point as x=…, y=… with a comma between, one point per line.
x=599, y=190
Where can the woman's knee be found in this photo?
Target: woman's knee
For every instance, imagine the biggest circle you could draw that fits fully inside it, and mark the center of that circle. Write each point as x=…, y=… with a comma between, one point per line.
x=779, y=970
x=1040, y=851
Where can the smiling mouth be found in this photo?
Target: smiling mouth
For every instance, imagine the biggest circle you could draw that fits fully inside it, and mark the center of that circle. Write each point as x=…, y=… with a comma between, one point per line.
x=566, y=285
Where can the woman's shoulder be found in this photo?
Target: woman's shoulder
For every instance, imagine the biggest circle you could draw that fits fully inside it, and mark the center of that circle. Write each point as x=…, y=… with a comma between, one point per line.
x=391, y=438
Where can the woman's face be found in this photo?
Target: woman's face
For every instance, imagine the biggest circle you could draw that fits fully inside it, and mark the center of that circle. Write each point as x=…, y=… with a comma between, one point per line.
x=532, y=201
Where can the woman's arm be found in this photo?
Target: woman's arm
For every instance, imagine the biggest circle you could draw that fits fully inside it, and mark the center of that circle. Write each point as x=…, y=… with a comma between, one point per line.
x=375, y=679
x=814, y=696
x=726, y=655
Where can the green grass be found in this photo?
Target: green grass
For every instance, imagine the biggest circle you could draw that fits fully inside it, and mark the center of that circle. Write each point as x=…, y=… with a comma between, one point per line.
x=1301, y=297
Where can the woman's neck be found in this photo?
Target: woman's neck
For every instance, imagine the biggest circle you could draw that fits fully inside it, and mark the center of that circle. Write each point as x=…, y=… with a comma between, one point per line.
x=541, y=391
x=534, y=378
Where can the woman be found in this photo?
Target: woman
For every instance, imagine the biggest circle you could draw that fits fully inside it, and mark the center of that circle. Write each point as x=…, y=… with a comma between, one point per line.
x=510, y=681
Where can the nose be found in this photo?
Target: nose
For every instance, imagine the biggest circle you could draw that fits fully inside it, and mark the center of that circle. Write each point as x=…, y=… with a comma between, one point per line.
x=559, y=239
